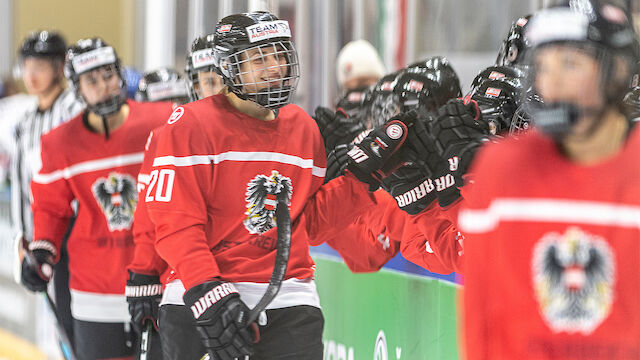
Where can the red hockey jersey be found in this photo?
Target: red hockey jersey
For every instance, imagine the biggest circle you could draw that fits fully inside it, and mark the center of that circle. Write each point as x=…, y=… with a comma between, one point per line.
x=145, y=259
x=100, y=174
x=211, y=193
x=427, y=240
x=552, y=253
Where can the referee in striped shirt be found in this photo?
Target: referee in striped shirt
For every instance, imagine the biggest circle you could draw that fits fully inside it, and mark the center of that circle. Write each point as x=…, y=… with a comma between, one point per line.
x=42, y=56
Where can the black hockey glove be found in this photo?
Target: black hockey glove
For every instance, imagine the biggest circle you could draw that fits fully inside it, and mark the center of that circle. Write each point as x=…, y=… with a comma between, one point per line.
x=412, y=189
x=219, y=315
x=410, y=185
x=457, y=133
x=37, y=265
x=371, y=160
x=337, y=161
x=421, y=145
x=457, y=125
x=336, y=128
x=143, y=293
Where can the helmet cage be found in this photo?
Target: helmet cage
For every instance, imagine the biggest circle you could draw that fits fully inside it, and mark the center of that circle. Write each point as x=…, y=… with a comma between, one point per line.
x=269, y=96
x=384, y=106
x=521, y=121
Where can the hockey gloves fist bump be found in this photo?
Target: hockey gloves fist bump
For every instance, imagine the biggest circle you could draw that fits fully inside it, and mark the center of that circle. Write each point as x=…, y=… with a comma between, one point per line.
x=336, y=128
x=371, y=160
x=37, y=265
x=143, y=293
x=410, y=185
x=220, y=318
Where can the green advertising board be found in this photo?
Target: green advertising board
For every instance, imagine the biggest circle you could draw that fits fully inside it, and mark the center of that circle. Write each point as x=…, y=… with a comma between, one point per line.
x=386, y=315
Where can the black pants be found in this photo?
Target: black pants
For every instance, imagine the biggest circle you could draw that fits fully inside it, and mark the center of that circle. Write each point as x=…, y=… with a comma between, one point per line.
x=293, y=333
x=95, y=340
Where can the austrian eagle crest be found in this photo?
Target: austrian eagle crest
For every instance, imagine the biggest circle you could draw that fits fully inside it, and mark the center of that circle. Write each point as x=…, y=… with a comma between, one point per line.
x=261, y=197
x=117, y=197
x=574, y=275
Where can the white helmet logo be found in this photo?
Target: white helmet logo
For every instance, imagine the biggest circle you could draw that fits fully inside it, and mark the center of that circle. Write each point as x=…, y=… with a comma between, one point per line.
x=176, y=115
x=395, y=131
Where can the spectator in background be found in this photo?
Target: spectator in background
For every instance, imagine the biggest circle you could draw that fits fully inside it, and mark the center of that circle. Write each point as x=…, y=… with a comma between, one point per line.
x=359, y=66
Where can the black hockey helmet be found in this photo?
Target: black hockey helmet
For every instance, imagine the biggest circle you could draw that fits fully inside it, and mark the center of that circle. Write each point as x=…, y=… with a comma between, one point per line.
x=439, y=70
x=514, y=47
x=46, y=44
x=498, y=101
x=164, y=84
x=199, y=58
x=90, y=54
x=498, y=72
x=236, y=35
x=499, y=90
x=419, y=88
x=600, y=28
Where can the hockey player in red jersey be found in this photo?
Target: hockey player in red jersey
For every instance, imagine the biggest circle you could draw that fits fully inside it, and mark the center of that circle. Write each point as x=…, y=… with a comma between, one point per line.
x=93, y=160
x=219, y=166
x=148, y=272
x=551, y=220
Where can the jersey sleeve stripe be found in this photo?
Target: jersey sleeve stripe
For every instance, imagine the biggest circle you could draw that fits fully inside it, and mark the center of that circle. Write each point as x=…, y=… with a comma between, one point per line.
x=89, y=166
x=242, y=157
x=549, y=211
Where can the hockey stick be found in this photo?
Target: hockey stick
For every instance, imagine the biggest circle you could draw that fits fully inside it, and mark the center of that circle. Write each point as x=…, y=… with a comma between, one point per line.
x=145, y=340
x=65, y=345
x=283, y=245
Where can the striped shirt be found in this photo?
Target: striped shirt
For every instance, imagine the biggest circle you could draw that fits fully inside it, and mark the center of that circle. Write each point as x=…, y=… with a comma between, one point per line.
x=26, y=155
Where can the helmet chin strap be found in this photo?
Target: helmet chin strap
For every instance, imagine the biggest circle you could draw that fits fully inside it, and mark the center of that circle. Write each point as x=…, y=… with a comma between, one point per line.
x=106, y=127
x=557, y=119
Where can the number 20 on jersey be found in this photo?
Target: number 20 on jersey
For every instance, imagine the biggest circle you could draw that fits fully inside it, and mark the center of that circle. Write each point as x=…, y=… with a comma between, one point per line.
x=160, y=185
